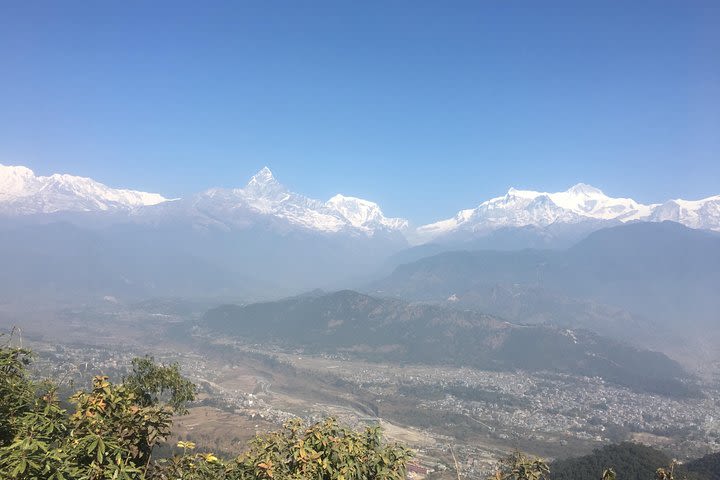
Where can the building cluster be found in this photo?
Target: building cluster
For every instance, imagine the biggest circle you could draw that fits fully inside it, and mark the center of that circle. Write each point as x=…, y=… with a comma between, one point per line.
x=542, y=407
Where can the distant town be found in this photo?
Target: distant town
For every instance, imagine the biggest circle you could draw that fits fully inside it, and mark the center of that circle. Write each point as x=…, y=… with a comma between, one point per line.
x=504, y=408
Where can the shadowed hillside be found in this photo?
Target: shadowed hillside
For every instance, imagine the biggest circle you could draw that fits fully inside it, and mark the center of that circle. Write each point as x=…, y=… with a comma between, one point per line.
x=621, y=281
x=395, y=330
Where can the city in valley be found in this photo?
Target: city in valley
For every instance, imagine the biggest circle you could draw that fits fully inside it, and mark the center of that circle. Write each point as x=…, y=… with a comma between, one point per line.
x=439, y=411
x=400, y=240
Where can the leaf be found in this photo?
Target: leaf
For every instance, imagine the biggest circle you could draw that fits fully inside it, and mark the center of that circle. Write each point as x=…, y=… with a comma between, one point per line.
x=101, y=450
x=93, y=445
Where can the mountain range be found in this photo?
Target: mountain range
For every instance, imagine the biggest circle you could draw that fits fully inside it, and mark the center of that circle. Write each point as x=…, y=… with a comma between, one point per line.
x=24, y=193
x=577, y=211
x=263, y=199
x=652, y=282
x=67, y=234
x=582, y=205
x=616, y=267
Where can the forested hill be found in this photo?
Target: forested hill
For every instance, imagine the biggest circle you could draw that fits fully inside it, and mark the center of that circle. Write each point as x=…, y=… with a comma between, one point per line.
x=707, y=467
x=632, y=461
x=394, y=330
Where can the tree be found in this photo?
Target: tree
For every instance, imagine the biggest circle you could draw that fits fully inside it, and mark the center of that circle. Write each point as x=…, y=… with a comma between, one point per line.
x=111, y=433
x=114, y=428
x=32, y=425
x=323, y=451
x=153, y=384
x=517, y=466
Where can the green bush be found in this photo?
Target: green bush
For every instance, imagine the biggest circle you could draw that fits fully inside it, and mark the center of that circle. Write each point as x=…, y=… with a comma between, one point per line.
x=114, y=428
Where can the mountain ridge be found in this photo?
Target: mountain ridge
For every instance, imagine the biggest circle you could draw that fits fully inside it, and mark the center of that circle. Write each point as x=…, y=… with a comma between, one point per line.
x=625, y=278
x=579, y=204
x=582, y=207
x=389, y=328
x=22, y=192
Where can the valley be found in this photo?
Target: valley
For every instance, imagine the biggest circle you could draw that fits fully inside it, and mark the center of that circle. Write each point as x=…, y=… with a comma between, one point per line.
x=332, y=240
x=249, y=387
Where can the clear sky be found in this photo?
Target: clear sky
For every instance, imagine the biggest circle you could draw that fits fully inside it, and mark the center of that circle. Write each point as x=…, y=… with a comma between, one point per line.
x=424, y=107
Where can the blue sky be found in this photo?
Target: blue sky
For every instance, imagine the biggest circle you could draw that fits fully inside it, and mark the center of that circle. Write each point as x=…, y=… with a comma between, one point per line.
x=424, y=107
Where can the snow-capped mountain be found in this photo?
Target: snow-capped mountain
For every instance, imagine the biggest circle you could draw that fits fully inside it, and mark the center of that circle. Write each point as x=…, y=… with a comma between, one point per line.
x=22, y=193
x=703, y=214
x=264, y=199
x=364, y=214
x=578, y=205
x=265, y=195
x=588, y=201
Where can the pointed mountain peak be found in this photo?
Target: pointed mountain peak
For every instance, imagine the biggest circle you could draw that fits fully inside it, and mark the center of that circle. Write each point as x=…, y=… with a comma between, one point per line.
x=584, y=189
x=262, y=180
x=264, y=185
x=263, y=176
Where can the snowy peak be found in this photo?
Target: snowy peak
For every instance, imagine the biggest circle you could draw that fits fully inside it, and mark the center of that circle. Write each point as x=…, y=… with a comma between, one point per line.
x=704, y=214
x=14, y=180
x=580, y=198
x=264, y=194
x=363, y=214
x=586, y=201
x=264, y=175
x=589, y=201
x=585, y=190
x=262, y=181
x=264, y=197
x=264, y=190
x=578, y=204
x=22, y=193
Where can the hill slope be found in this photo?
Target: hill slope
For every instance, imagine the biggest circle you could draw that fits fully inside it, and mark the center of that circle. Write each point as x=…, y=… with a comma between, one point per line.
x=632, y=461
x=394, y=330
x=664, y=274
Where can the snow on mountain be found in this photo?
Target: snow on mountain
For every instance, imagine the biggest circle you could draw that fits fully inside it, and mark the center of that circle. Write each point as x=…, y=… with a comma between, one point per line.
x=22, y=193
x=517, y=208
x=266, y=195
x=14, y=181
x=589, y=201
x=264, y=198
x=580, y=203
x=364, y=214
x=702, y=214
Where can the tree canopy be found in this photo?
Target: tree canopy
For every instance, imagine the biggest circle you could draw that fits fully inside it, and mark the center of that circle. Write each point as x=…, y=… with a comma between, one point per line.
x=113, y=428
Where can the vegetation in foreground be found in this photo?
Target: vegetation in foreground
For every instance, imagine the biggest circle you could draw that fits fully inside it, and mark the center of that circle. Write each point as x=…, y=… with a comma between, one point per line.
x=112, y=431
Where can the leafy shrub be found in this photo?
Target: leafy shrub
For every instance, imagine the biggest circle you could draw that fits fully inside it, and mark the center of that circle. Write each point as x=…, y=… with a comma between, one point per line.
x=114, y=428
